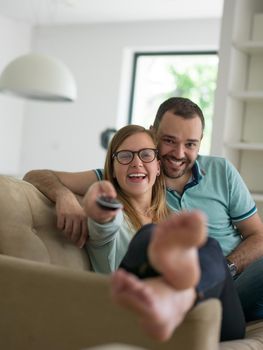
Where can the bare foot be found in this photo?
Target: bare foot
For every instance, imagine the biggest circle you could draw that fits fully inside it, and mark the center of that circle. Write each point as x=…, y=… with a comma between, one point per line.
x=173, y=248
x=159, y=306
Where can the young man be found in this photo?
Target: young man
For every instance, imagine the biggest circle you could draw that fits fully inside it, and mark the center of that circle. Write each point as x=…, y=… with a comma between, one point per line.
x=214, y=186
x=210, y=184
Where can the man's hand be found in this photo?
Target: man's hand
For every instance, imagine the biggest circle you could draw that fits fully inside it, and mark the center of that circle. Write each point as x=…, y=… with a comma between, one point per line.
x=71, y=218
x=64, y=189
x=251, y=248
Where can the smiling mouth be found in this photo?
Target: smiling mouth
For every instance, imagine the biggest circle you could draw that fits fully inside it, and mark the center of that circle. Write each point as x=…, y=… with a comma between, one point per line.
x=137, y=176
x=175, y=162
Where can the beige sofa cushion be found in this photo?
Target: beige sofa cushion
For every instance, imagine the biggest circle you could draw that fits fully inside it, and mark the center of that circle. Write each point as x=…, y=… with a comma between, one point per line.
x=253, y=341
x=115, y=346
x=28, y=227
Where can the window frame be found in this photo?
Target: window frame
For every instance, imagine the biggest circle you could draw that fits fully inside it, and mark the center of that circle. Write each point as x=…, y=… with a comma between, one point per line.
x=138, y=54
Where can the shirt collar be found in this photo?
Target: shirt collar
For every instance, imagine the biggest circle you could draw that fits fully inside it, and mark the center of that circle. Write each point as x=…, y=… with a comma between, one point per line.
x=197, y=172
x=197, y=175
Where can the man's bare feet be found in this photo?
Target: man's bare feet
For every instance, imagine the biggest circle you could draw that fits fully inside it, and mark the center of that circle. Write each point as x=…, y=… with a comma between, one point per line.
x=173, y=248
x=159, y=306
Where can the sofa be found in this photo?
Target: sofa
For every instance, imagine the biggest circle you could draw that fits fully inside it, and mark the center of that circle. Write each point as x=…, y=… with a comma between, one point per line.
x=51, y=300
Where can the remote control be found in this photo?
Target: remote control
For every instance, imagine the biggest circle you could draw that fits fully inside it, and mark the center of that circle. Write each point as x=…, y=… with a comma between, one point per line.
x=108, y=203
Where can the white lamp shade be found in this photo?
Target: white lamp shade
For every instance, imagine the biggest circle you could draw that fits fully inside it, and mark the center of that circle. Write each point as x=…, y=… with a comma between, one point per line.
x=39, y=77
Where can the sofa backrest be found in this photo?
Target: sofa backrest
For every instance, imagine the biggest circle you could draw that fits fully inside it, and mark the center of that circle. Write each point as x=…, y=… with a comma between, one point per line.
x=28, y=227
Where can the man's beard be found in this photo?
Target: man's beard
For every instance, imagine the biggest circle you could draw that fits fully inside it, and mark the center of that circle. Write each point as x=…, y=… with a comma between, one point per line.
x=175, y=173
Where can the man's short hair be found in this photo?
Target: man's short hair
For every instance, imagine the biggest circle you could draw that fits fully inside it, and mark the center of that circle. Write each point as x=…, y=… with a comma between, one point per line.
x=180, y=106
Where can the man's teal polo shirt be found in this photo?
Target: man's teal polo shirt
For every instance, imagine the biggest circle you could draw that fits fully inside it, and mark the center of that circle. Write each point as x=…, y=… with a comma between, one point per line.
x=217, y=189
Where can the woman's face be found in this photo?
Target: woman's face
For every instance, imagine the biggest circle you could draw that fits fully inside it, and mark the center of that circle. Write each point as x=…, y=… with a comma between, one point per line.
x=137, y=177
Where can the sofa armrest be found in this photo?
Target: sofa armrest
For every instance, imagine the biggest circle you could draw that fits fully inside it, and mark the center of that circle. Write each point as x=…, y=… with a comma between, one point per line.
x=50, y=307
x=28, y=227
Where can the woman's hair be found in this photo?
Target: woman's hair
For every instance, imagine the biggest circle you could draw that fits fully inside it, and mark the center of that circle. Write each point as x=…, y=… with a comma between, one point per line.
x=158, y=209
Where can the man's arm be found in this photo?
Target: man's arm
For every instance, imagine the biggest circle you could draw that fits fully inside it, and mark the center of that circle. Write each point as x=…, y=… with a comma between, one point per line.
x=251, y=248
x=51, y=183
x=66, y=190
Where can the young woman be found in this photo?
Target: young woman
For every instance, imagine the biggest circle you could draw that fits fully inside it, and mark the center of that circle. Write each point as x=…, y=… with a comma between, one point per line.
x=133, y=175
x=163, y=268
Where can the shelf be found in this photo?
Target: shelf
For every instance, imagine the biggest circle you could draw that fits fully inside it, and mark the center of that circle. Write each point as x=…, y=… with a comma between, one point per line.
x=258, y=197
x=247, y=146
x=249, y=47
x=247, y=95
x=239, y=94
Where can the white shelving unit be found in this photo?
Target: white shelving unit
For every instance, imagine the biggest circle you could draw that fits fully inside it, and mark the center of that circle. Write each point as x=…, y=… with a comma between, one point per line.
x=247, y=96
x=249, y=47
x=258, y=197
x=238, y=122
x=249, y=146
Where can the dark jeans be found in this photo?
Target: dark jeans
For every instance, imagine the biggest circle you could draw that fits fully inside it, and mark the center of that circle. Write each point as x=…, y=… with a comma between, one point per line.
x=249, y=285
x=215, y=282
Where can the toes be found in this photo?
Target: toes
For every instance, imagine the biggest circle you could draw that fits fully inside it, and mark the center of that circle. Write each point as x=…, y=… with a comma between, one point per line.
x=122, y=280
x=128, y=290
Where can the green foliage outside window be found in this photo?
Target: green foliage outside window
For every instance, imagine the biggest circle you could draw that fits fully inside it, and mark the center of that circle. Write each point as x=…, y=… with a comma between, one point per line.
x=198, y=83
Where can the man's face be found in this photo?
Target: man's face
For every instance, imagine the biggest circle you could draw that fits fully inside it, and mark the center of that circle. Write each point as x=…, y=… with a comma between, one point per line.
x=179, y=142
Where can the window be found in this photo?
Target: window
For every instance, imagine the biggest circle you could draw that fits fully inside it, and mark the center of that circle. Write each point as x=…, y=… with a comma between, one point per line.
x=158, y=76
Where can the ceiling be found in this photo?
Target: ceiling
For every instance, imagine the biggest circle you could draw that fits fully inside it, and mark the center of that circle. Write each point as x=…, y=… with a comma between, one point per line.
x=47, y=12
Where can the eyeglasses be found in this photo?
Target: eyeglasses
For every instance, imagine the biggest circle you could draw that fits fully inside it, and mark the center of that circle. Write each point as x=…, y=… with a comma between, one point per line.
x=146, y=155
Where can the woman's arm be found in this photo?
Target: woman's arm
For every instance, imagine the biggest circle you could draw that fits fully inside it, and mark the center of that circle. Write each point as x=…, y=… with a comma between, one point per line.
x=104, y=226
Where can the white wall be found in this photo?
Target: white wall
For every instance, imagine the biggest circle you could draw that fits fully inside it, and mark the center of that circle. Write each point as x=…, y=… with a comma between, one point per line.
x=15, y=39
x=66, y=136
